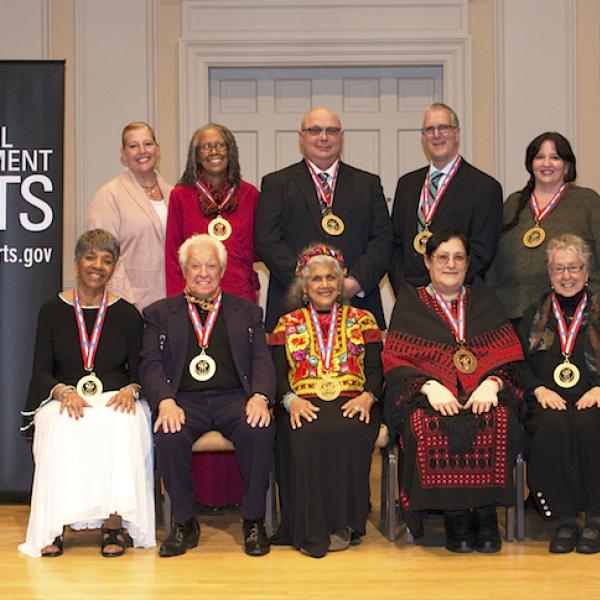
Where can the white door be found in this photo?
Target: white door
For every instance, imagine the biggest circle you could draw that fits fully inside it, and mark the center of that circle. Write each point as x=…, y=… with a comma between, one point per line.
x=381, y=109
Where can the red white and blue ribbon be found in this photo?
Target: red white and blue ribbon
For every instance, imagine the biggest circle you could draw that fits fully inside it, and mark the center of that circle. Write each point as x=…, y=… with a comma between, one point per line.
x=567, y=338
x=327, y=199
x=206, y=192
x=429, y=205
x=203, y=333
x=540, y=214
x=326, y=351
x=89, y=346
x=458, y=323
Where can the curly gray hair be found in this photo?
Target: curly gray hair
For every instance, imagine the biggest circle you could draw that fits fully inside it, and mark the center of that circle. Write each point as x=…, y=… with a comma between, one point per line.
x=296, y=296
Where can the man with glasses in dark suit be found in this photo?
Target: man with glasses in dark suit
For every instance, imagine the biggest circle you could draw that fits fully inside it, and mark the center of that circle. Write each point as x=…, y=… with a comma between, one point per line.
x=322, y=199
x=447, y=194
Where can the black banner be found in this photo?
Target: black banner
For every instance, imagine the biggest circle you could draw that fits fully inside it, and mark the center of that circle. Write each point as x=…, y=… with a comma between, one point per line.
x=31, y=223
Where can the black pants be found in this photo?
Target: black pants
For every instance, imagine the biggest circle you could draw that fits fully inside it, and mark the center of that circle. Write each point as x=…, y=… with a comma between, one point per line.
x=223, y=411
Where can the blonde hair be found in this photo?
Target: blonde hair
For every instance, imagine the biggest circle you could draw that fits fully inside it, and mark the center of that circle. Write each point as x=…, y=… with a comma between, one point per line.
x=136, y=125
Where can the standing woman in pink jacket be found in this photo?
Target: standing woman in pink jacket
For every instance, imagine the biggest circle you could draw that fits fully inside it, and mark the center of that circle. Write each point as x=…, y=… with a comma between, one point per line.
x=133, y=207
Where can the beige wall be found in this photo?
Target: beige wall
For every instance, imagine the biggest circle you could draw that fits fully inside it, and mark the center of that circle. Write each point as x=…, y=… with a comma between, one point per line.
x=482, y=102
x=63, y=47
x=483, y=98
x=588, y=93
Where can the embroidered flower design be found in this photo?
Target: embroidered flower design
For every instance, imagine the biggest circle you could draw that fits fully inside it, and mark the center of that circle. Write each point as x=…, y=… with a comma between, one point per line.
x=300, y=355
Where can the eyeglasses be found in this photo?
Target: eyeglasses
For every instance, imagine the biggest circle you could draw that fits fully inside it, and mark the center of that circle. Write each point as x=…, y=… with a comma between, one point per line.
x=560, y=269
x=443, y=259
x=442, y=130
x=208, y=148
x=319, y=131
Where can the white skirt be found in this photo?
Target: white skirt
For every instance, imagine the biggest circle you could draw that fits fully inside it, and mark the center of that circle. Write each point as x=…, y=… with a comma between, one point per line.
x=88, y=469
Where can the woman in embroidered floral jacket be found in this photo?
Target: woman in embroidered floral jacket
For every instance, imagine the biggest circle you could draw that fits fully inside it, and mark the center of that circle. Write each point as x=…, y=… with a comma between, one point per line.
x=449, y=367
x=329, y=376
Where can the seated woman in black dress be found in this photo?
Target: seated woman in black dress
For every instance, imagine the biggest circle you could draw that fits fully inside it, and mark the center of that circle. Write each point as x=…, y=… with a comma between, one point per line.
x=327, y=357
x=92, y=445
x=561, y=337
x=449, y=367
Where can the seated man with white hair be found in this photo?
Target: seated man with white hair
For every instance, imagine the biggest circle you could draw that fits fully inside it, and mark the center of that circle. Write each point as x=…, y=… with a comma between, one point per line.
x=206, y=366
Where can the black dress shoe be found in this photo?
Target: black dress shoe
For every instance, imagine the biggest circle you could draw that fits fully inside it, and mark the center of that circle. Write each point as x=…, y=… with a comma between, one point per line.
x=256, y=542
x=460, y=536
x=487, y=538
x=182, y=537
x=589, y=540
x=564, y=539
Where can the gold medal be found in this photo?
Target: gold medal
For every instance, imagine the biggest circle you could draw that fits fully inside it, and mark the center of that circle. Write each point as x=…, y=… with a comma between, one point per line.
x=566, y=375
x=89, y=386
x=219, y=229
x=328, y=388
x=332, y=224
x=534, y=237
x=464, y=360
x=202, y=367
x=420, y=241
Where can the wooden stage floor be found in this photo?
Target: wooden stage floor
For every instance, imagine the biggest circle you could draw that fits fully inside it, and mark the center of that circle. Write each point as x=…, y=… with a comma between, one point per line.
x=218, y=568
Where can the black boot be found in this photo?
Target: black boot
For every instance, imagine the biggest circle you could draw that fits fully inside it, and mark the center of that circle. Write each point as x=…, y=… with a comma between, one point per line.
x=487, y=539
x=256, y=542
x=182, y=537
x=460, y=536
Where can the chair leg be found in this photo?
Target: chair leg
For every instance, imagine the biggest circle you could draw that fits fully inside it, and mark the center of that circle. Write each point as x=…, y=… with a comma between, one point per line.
x=520, y=498
x=383, y=492
x=391, y=501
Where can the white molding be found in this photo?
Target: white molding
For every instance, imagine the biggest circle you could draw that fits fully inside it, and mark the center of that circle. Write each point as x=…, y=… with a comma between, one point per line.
x=80, y=118
x=152, y=70
x=47, y=38
x=197, y=58
x=499, y=78
x=571, y=64
x=290, y=19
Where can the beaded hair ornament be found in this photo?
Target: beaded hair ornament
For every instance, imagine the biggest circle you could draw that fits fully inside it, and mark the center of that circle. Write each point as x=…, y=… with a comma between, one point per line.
x=319, y=250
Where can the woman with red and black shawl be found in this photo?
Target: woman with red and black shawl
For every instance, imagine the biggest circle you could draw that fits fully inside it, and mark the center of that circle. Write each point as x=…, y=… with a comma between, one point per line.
x=449, y=363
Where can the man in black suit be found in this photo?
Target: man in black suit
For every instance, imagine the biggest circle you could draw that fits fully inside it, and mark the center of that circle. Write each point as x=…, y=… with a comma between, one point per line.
x=449, y=193
x=205, y=365
x=321, y=199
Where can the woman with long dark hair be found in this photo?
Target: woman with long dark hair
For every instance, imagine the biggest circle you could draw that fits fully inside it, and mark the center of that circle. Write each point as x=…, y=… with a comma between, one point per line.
x=548, y=206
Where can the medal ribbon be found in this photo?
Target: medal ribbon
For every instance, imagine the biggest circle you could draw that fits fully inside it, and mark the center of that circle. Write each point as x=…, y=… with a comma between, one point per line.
x=458, y=324
x=326, y=351
x=326, y=199
x=430, y=205
x=89, y=347
x=567, y=339
x=203, y=333
x=206, y=193
x=542, y=214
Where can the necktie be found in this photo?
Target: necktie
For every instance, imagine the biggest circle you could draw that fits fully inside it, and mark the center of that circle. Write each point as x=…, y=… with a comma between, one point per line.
x=325, y=181
x=434, y=181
